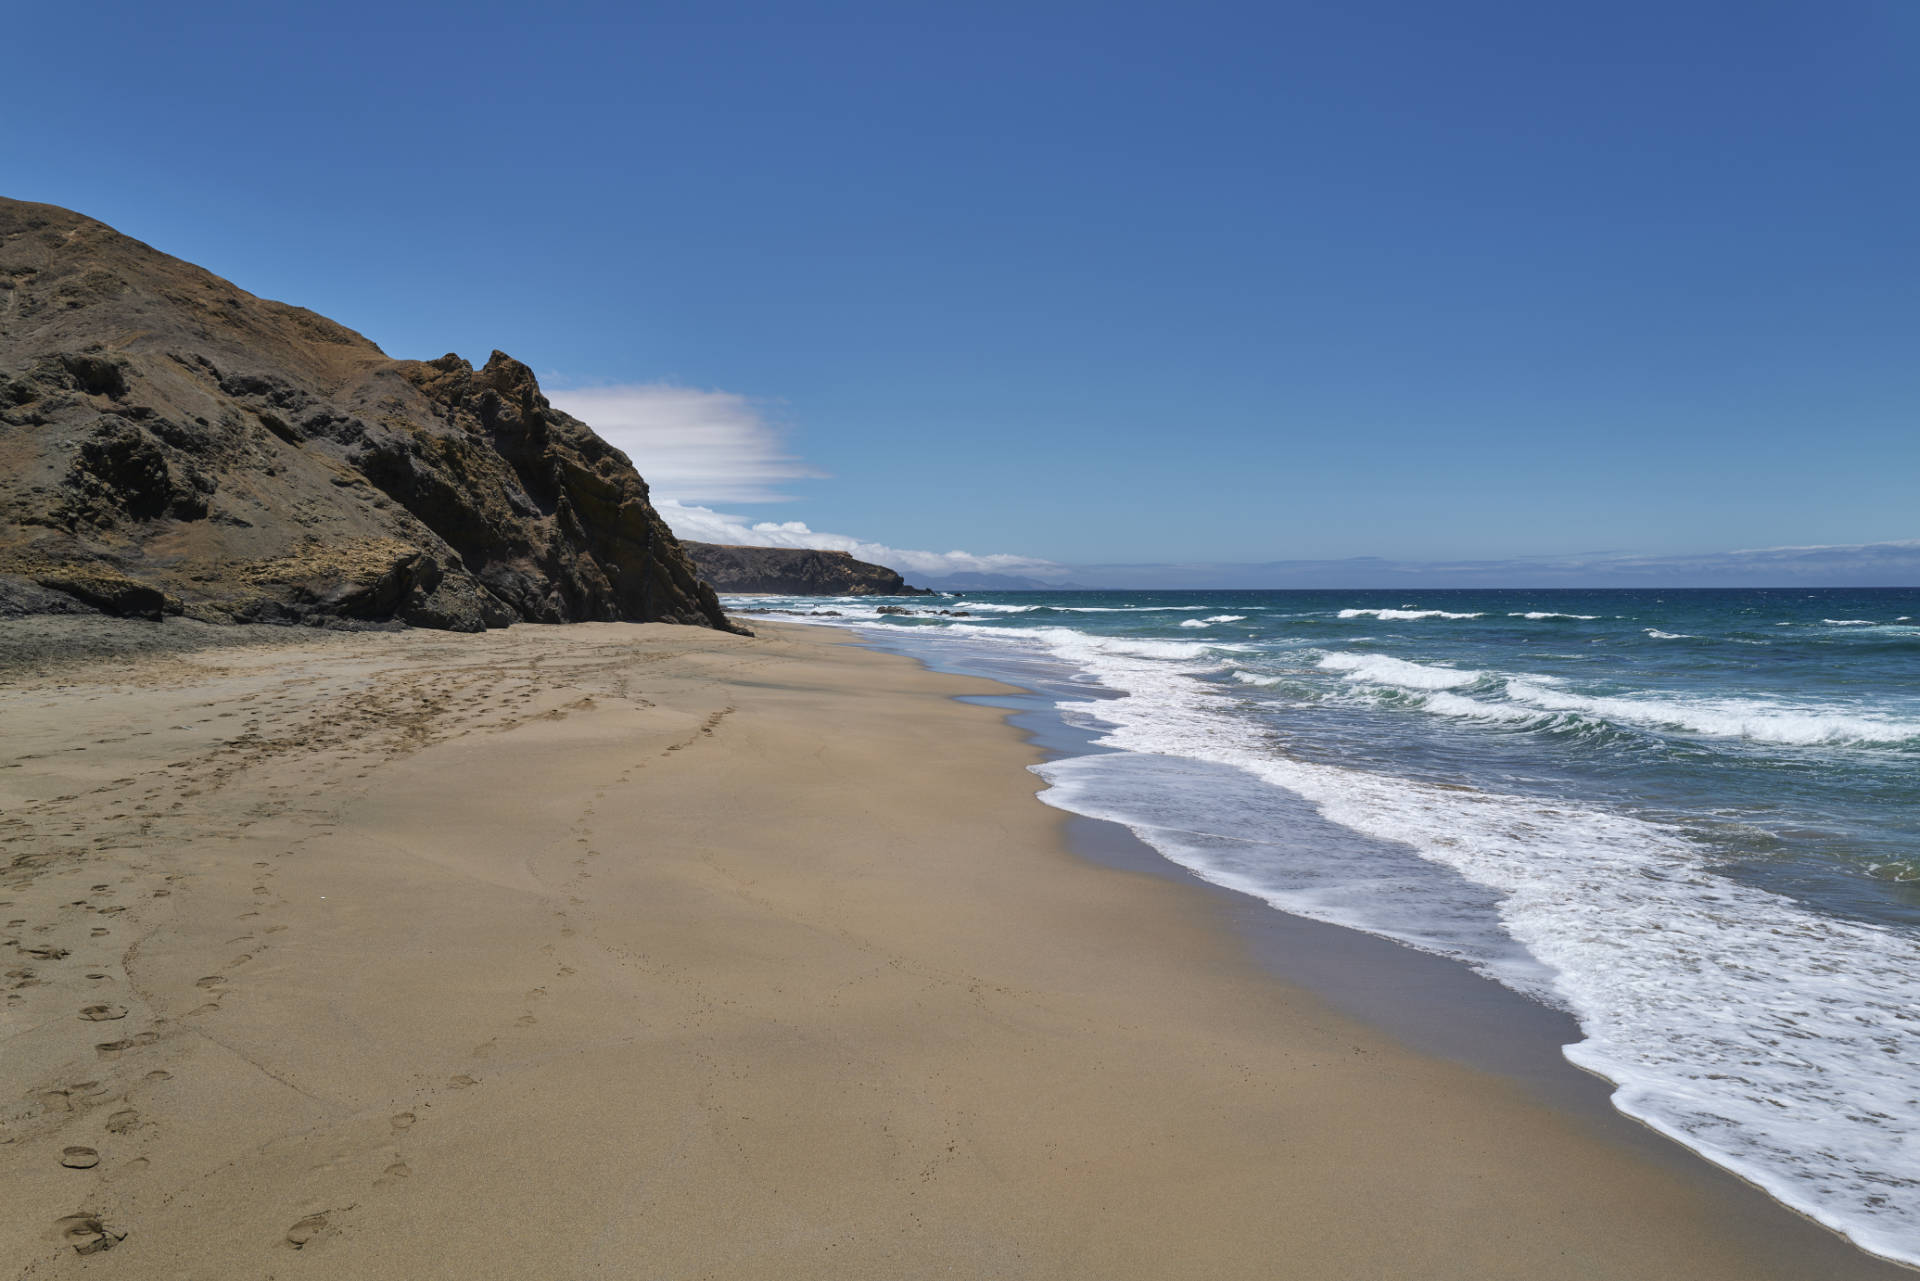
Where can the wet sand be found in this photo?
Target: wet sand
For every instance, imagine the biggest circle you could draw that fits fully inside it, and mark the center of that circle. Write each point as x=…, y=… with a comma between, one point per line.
x=647, y=951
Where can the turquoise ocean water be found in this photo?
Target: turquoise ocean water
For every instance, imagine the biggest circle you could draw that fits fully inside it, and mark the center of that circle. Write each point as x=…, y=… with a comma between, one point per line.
x=1689, y=818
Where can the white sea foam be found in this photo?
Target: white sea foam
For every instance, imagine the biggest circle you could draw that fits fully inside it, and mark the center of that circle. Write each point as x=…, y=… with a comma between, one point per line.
x=1379, y=669
x=1757, y=720
x=1073, y=644
x=1403, y=615
x=1848, y=622
x=1461, y=707
x=1537, y=615
x=1254, y=678
x=1657, y=634
x=1775, y=1040
x=1534, y=697
x=1217, y=618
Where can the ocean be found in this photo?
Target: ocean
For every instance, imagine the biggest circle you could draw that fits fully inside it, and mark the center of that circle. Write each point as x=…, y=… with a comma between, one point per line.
x=1690, y=819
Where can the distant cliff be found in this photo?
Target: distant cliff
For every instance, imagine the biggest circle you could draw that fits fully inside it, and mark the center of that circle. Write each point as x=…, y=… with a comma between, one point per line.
x=170, y=443
x=794, y=571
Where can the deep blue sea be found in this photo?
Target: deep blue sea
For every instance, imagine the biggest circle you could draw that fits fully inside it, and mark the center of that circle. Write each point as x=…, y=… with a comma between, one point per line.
x=1689, y=818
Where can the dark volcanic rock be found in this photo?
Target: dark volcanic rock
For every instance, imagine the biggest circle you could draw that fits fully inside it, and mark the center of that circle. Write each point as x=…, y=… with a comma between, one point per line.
x=171, y=443
x=794, y=571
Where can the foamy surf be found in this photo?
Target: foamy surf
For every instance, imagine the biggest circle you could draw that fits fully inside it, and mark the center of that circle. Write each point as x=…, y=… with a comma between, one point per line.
x=1677, y=975
x=1398, y=671
x=1679, y=843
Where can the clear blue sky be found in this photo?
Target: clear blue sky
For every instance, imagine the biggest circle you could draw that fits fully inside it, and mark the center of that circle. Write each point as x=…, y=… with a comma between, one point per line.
x=1094, y=282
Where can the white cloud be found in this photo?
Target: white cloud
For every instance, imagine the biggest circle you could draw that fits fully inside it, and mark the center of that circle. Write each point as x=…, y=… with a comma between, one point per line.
x=704, y=525
x=690, y=445
x=695, y=447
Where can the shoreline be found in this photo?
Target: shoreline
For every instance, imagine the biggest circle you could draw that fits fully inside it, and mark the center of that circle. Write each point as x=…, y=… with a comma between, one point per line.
x=1433, y=1005
x=664, y=951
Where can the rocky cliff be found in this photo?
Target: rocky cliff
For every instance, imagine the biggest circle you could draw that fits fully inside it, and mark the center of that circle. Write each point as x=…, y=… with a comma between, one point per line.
x=794, y=571
x=170, y=443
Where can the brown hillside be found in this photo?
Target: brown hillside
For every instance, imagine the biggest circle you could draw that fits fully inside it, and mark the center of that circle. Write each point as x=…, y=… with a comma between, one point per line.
x=171, y=443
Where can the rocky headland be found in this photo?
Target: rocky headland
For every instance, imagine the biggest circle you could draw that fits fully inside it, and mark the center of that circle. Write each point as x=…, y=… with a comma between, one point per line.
x=794, y=571
x=171, y=444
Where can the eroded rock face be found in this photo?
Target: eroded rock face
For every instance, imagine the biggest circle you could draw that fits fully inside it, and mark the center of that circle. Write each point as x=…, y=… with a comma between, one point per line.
x=794, y=571
x=169, y=442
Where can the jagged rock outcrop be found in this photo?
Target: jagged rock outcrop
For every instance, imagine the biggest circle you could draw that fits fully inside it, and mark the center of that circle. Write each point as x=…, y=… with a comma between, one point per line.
x=794, y=571
x=170, y=443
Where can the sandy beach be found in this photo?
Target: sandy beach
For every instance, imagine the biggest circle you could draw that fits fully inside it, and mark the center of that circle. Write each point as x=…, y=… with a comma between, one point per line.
x=648, y=951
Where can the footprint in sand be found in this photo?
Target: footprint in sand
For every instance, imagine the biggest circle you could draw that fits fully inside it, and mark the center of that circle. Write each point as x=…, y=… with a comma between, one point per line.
x=211, y=980
x=79, y=1158
x=102, y=1013
x=403, y=1121
x=122, y=1121
x=158, y=1075
x=87, y=1234
x=461, y=1082
x=306, y=1230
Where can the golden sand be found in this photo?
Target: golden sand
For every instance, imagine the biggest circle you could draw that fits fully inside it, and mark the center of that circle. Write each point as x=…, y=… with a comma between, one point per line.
x=645, y=951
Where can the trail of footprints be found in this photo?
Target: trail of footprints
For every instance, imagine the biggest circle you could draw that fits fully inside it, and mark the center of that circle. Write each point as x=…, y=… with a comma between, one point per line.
x=335, y=737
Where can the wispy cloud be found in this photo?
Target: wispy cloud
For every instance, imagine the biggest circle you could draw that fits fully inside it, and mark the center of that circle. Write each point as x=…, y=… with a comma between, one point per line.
x=696, y=447
x=691, y=445
x=704, y=525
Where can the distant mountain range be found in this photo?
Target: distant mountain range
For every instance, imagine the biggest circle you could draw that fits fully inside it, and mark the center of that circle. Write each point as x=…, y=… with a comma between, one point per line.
x=1889, y=564
x=996, y=583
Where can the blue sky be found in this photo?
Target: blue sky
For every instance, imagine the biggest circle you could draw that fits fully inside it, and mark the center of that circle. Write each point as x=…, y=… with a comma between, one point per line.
x=1086, y=283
